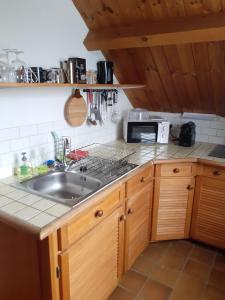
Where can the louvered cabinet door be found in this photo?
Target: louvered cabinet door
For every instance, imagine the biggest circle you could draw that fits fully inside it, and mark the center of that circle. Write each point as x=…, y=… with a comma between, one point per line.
x=208, y=220
x=90, y=266
x=172, y=206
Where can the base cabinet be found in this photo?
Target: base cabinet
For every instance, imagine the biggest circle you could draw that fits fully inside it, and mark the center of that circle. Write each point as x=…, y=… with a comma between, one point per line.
x=208, y=219
x=172, y=208
x=90, y=267
x=138, y=223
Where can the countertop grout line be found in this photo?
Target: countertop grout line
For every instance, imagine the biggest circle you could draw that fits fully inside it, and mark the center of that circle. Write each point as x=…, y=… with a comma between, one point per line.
x=160, y=150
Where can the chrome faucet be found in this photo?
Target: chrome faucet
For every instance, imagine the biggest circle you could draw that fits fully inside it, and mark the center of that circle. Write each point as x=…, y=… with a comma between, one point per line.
x=62, y=164
x=69, y=165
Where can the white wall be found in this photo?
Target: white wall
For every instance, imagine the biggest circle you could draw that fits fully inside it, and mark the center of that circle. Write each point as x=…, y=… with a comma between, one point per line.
x=47, y=31
x=206, y=130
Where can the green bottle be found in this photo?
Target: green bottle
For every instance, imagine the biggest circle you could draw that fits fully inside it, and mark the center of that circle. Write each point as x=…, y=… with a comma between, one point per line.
x=24, y=168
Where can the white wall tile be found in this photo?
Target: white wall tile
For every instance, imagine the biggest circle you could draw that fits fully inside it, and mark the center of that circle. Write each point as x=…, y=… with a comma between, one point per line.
x=206, y=131
x=28, y=130
x=9, y=133
x=19, y=144
x=216, y=140
x=221, y=132
x=38, y=140
x=45, y=127
x=5, y=147
x=218, y=124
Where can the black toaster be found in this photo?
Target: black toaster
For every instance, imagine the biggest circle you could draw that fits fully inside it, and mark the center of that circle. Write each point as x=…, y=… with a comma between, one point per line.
x=187, y=134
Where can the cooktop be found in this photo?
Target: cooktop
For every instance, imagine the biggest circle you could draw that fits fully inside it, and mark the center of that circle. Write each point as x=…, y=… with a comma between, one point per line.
x=218, y=151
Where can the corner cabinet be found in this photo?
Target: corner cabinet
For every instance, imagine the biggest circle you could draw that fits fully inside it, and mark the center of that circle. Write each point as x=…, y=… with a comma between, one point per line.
x=139, y=190
x=208, y=219
x=173, y=198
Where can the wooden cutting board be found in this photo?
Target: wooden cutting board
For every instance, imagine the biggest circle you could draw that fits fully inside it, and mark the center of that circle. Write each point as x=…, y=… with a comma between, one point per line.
x=76, y=109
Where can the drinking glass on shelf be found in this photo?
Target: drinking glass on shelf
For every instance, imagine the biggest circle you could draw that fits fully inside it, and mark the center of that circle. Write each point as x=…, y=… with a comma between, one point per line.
x=18, y=67
x=3, y=68
x=11, y=75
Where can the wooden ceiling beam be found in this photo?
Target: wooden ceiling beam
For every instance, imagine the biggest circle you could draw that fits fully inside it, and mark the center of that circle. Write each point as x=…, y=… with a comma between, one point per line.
x=192, y=29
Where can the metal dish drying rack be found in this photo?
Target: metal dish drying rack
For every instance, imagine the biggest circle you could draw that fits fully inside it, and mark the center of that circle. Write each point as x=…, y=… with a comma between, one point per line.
x=103, y=162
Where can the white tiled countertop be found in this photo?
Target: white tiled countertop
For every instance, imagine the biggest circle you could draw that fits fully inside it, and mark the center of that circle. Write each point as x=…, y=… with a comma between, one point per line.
x=26, y=209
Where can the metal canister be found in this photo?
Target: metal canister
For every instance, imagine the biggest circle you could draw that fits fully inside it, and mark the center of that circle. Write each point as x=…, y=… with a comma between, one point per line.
x=71, y=71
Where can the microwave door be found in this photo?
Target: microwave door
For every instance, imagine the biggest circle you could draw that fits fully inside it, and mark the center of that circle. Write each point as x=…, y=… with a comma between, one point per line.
x=143, y=132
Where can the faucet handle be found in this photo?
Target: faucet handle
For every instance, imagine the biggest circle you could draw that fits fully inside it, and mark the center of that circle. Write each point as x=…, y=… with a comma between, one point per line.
x=58, y=165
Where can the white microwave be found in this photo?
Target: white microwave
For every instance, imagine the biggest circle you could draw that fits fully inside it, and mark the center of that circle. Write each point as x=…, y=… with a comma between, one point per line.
x=151, y=130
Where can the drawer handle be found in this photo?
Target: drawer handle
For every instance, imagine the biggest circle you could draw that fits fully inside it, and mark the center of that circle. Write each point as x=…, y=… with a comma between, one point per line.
x=217, y=173
x=190, y=187
x=99, y=213
x=176, y=170
x=130, y=211
x=142, y=180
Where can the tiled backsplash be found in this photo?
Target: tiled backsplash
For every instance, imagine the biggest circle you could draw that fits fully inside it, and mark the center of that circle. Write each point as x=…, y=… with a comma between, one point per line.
x=37, y=141
x=206, y=131
x=35, y=138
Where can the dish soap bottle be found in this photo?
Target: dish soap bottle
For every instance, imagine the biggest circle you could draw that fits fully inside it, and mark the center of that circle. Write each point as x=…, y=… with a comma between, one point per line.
x=25, y=168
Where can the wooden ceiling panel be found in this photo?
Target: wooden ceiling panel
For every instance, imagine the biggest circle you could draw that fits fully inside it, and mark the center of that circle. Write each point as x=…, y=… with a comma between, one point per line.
x=179, y=77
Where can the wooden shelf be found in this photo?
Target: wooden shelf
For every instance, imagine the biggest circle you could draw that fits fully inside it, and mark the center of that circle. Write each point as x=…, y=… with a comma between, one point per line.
x=78, y=86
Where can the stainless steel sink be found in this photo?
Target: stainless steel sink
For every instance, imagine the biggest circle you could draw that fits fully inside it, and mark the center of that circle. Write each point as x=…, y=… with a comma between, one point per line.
x=66, y=187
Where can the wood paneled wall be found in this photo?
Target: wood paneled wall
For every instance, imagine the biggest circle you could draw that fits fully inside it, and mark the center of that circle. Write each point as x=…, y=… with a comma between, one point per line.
x=184, y=77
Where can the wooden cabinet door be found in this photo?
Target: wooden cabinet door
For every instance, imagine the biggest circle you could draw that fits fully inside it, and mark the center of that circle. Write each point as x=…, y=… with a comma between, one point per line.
x=208, y=220
x=173, y=199
x=89, y=268
x=138, y=224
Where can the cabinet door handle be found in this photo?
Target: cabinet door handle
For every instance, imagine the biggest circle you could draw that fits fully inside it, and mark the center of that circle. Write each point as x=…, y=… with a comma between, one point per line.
x=176, y=170
x=99, y=213
x=217, y=173
x=190, y=187
x=122, y=218
x=142, y=180
x=130, y=211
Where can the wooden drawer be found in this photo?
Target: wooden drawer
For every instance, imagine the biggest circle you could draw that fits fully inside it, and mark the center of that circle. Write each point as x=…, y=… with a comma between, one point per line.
x=139, y=180
x=213, y=172
x=88, y=218
x=176, y=170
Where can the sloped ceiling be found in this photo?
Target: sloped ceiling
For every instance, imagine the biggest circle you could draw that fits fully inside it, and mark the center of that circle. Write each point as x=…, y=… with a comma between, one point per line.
x=178, y=77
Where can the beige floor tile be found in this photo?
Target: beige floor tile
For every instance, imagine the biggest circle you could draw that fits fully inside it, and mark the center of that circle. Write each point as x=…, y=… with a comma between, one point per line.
x=188, y=288
x=197, y=269
x=154, y=252
x=202, y=254
x=133, y=281
x=155, y=291
x=143, y=265
x=182, y=247
x=217, y=279
x=172, y=259
x=121, y=294
x=220, y=263
x=164, y=275
x=163, y=244
x=212, y=293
